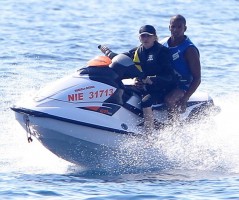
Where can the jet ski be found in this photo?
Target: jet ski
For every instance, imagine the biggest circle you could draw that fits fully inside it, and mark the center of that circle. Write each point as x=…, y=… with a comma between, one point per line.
x=84, y=118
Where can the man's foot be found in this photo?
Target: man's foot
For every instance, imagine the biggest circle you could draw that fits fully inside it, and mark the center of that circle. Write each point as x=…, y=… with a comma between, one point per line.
x=156, y=125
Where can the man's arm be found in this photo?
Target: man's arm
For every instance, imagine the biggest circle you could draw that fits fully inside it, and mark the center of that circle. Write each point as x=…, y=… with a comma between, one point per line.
x=193, y=60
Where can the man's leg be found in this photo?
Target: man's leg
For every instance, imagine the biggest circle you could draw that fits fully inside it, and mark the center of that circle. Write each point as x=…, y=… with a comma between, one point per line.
x=171, y=102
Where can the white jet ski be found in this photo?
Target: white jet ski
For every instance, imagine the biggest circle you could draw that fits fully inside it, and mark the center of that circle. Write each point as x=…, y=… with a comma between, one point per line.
x=84, y=118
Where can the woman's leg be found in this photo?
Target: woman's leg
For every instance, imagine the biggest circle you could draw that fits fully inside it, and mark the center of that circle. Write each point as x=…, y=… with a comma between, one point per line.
x=148, y=119
x=146, y=104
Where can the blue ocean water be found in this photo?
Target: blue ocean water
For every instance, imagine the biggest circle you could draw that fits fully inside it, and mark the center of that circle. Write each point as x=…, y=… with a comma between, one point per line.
x=42, y=41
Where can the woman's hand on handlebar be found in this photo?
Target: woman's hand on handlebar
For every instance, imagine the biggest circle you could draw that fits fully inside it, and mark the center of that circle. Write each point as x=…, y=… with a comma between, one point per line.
x=138, y=83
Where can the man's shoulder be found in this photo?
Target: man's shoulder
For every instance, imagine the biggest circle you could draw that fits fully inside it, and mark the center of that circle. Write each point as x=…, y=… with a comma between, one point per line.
x=190, y=45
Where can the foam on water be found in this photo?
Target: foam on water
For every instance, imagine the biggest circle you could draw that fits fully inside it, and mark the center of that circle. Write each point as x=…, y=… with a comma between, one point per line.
x=208, y=145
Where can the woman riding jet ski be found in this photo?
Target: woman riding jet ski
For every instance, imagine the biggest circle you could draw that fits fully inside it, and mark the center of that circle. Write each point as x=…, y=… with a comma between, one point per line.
x=86, y=116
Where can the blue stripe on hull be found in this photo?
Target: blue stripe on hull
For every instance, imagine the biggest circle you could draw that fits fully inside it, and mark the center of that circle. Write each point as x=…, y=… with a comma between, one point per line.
x=45, y=115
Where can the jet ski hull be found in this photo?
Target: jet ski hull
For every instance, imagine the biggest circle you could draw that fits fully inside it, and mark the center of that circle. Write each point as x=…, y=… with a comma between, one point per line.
x=83, y=144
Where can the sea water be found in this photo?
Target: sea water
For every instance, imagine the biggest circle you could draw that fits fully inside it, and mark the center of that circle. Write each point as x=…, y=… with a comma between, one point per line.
x=41, y=41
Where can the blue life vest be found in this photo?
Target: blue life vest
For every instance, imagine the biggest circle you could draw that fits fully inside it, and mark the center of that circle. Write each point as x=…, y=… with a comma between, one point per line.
x=179, y=62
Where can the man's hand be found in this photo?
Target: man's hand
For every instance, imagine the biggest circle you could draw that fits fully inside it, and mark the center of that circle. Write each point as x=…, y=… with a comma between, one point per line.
x=148, y=81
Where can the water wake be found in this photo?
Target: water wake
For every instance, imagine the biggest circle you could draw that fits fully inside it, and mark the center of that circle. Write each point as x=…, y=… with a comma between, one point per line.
x=210, y=144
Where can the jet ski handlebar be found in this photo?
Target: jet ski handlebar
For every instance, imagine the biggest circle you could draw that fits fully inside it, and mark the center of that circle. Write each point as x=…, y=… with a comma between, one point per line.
x=105, y=50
